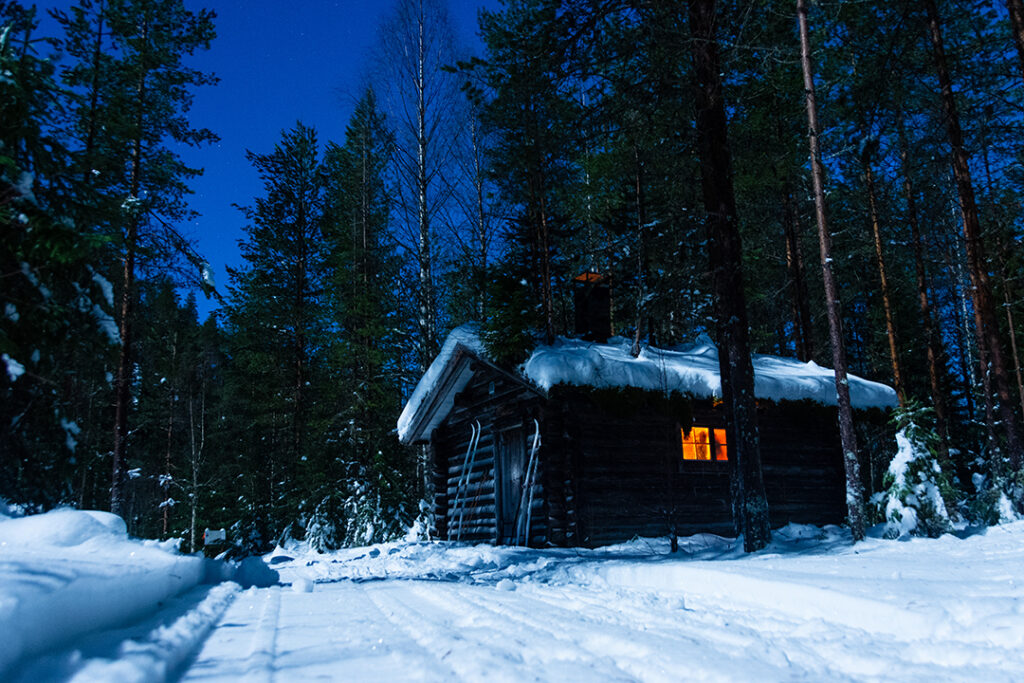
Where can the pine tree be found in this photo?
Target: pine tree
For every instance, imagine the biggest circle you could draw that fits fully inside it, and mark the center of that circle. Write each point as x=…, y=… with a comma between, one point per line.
x=726, y=260
x=993, y=364
x=54, y=305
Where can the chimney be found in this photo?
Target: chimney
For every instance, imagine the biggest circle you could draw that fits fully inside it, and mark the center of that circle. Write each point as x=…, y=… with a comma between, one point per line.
x=592, y=298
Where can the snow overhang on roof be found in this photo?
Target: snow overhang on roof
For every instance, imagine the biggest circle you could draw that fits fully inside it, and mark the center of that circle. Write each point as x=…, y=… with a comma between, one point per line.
x=690, y=369
x=435, y=393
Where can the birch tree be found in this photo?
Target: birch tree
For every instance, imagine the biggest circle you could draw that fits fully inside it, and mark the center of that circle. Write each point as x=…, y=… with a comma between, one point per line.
x=420, y=99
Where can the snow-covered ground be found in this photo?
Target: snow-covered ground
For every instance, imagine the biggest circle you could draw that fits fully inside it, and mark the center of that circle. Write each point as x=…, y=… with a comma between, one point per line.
x=810, y=607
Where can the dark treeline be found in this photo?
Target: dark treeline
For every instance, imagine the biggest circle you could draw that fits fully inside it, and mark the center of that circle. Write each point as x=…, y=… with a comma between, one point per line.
x=663, y=144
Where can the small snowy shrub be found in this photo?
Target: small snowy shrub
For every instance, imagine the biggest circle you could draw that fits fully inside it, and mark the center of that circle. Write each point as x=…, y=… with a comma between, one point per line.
x=420, y=529
x=374, y=510
x=323, y=531
x=994, y=502
x=916, y=489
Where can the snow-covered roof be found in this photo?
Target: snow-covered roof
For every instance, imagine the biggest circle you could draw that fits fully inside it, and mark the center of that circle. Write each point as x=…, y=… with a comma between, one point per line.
x=689, y=369
x=462, y=340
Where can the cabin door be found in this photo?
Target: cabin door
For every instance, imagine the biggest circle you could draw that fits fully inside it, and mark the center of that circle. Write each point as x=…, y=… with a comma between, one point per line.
x=512, y=470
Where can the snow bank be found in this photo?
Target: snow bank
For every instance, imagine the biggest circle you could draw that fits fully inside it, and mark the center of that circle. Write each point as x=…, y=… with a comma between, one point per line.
x=691, y=369
x=70, y=572
x=155, y=649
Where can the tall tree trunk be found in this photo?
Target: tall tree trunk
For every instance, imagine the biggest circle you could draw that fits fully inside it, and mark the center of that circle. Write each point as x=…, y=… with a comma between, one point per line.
x=924, y=305
x=123, y=392
x=1008, y=299
x=986, y=322
x=427, y=318
x=883, y=278
x=961, y=314
x=641, y=250
x=1016, y=8
x=301, y=276
x=847, y=435
x=196, y=459
x=797, y=279
x=166, y=484
x=94, y=94
x=725, y=253
x=481, y=221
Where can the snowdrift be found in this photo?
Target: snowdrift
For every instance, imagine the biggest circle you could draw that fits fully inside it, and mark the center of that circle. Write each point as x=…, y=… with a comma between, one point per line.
x=69, y=572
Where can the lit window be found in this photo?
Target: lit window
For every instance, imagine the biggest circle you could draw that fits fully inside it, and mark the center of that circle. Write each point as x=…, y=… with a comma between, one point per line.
x=721, y=447
x=705, y=443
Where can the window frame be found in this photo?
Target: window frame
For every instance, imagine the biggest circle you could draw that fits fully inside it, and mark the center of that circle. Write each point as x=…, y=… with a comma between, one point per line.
x=714, y=434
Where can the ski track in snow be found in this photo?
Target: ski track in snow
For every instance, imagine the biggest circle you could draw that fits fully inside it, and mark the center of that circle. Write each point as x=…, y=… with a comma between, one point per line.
x=442, y=631
x=811, y=607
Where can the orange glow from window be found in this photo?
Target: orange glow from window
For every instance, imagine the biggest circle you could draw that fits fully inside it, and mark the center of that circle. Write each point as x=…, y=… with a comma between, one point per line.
x=705, y=443
x=721, y=448
x=697, y=444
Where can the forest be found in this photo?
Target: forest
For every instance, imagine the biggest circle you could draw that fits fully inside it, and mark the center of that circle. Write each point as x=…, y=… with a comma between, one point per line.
x=836, y=181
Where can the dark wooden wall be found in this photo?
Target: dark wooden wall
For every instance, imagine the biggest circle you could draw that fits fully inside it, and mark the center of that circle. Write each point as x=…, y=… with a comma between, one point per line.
x=604, y=478
x=630, y=479
x=803, y=464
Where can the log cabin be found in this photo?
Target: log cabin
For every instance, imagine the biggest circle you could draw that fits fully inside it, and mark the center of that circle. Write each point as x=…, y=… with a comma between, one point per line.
x=586, y=445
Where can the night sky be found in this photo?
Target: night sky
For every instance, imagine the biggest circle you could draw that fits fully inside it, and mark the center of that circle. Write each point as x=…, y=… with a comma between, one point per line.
x=278, y=63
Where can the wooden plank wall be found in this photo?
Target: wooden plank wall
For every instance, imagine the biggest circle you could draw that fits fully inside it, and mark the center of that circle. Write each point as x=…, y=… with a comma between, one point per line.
x=802, y=462
x=604, y=479
x=631, y=483
x=631, y=479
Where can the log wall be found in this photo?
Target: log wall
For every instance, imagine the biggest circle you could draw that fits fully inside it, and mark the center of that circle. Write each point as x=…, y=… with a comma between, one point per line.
x=631, y=480
x=604, y=478
x=472, y=513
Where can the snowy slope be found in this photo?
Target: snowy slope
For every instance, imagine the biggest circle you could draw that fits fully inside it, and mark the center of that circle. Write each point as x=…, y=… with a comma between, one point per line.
x=68, y=572
x=810, y=607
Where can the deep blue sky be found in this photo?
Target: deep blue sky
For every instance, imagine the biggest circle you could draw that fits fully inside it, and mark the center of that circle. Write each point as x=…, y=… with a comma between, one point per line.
x=278, y=63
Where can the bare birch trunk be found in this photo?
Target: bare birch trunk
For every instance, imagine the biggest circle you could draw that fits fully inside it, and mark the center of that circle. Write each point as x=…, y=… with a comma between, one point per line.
x=481, y=220
x=847, y=435
x=427, y=320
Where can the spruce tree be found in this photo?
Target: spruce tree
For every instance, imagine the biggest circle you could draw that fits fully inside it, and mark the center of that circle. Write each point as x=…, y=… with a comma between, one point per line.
x=365, y=487
x=55, y=305
x=531, y=112
x=128, y=64
x=277, y=319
